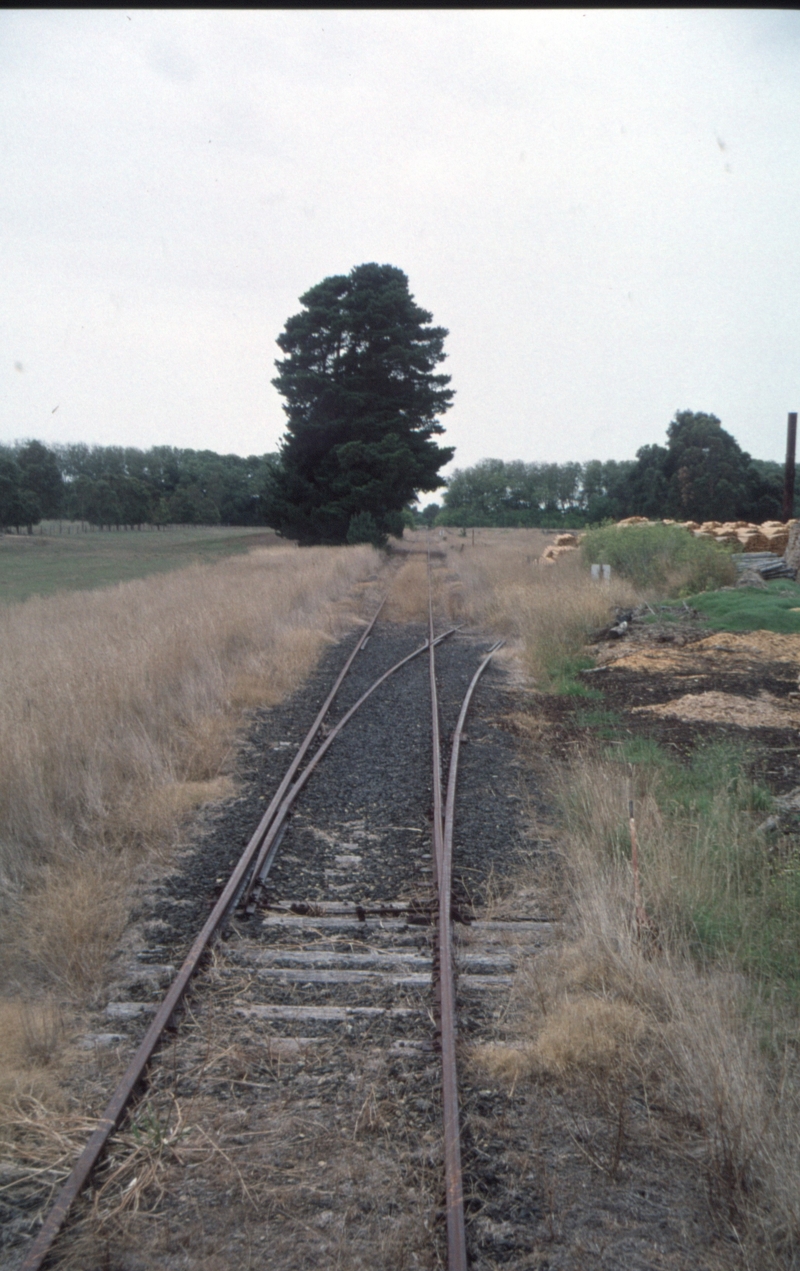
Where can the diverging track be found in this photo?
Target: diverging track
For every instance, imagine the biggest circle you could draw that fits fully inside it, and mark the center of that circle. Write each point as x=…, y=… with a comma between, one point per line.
x=338, y=961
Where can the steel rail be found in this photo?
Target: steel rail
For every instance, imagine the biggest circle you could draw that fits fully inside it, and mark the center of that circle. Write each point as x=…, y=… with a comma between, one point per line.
x=438, y=832
x=133, y=1074
x=457, y=1252
x=443, y=860
x=454, y=1187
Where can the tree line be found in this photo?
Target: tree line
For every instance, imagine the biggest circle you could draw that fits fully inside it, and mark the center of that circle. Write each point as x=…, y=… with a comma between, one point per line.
x=124, y=486
x=701, y=474
x=363, y=396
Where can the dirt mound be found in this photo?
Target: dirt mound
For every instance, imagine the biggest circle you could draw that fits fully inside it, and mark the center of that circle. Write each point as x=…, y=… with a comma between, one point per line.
x=764, y=711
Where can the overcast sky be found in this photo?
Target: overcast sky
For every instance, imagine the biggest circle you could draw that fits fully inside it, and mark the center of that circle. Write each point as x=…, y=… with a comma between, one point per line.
x=603, y=209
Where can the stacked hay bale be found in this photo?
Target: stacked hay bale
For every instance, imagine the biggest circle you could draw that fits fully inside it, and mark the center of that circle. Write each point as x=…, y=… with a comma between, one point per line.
x=727, y=534
x=553, y=551
x=770, y=536
x=752, y=539
x=777, y=535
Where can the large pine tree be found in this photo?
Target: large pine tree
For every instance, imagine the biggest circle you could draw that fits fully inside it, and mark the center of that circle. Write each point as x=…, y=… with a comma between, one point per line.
x=363, y=401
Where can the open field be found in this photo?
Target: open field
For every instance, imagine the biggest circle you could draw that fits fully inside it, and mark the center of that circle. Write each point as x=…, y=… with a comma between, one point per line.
x=42, y=564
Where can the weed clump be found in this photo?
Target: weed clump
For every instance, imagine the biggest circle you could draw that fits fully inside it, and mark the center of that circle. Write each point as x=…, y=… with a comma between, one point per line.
x=708, y=880
x=661, y=558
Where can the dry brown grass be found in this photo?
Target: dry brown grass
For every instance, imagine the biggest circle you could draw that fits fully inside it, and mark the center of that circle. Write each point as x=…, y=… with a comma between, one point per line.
x=501, y=581
x=614, y=1012
x=408, y=599
x=118, y=712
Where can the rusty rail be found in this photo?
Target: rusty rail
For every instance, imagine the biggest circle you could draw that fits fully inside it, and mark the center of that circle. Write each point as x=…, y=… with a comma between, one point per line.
x=446, y=996
x=456, y=1231
x=266, y=833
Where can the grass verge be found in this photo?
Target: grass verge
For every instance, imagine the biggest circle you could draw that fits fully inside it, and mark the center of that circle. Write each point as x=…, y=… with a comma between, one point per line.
x=696, y=1015
x=549, y=609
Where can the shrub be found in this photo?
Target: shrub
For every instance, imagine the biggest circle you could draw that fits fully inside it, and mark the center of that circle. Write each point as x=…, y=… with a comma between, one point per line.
x=665, y=558
x=363, y=528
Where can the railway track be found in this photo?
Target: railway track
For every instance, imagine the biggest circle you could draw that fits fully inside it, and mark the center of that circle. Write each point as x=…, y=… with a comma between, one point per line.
x=340, y=940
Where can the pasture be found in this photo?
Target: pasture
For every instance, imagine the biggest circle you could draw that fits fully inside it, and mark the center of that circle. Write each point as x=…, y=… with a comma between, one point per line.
x=47, y=561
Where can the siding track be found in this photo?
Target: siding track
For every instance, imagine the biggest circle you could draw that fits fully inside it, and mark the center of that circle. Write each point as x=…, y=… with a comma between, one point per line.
x=345, y=932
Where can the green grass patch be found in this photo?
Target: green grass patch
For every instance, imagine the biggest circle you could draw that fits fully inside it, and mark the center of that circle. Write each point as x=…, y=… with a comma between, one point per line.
x=708, y=873
x=663, y=558
x=41, y=564
x=776, y=608
x=563, y=677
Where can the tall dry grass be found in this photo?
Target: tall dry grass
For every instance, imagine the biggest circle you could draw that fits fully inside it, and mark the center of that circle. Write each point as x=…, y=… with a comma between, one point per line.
x=118, y=709
x=679, y=1012
x=625, y=1013
x=501, y=581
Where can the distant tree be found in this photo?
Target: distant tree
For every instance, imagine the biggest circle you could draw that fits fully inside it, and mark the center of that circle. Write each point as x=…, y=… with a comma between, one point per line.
x=145, y=481
x=429, y=513
x=135, y=501
x=710, y=476
x=646, y=491
x=604, y=495
x=770, y=499
x=41, y=475
x=477, y=494
x=702, y=474
x=363, y=399
x=189, y=505
x=30, y=509
x=494, y=492
x=12, y=511
x=100, y=503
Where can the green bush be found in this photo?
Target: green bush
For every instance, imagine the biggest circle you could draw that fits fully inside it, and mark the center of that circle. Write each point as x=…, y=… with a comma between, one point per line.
x=666, y=558
x=363, y=528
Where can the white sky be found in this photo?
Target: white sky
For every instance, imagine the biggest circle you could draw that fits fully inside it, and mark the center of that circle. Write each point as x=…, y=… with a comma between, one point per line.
x=602, y=208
